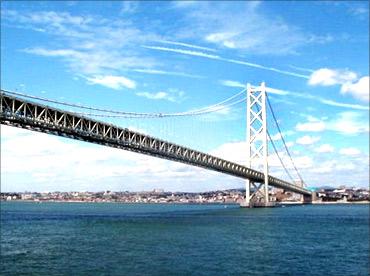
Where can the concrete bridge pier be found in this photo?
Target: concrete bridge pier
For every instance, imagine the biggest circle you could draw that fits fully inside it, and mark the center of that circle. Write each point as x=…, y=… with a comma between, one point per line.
x=308, y=199
x=259, y=204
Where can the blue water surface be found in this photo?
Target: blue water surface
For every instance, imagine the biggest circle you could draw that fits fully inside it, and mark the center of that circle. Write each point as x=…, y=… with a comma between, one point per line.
x=163, y=239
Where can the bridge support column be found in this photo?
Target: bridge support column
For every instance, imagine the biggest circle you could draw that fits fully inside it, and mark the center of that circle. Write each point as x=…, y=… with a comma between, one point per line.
x=257, y=148
x=247, y=194
x=308, y=199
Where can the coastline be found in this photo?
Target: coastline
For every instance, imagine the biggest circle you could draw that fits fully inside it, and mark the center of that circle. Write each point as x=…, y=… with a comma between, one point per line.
x=288, y=203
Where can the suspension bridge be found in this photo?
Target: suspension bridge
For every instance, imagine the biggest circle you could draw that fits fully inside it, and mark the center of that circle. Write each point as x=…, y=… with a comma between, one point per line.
x=27, y=111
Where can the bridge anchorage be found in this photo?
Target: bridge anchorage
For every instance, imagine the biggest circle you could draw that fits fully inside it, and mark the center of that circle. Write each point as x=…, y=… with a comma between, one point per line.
x=17, y=111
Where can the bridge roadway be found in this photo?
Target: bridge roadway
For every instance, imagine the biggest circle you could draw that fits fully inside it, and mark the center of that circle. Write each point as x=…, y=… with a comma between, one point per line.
x=38, y=117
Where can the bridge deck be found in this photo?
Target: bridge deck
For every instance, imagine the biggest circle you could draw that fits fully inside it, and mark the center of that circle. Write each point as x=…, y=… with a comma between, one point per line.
x=34, y=116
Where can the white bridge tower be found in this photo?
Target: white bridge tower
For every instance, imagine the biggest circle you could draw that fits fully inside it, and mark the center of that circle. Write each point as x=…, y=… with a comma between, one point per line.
x=257, y=194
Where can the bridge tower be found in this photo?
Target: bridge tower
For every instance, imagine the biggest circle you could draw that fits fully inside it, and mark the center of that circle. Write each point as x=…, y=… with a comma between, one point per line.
x=257, y=194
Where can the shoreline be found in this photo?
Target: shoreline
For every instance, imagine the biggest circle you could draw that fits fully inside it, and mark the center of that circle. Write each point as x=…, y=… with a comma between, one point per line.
x=347, y=202
x=184, y=203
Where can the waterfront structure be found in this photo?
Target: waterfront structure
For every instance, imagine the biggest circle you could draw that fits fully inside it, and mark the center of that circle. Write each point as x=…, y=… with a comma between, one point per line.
x=18, y=112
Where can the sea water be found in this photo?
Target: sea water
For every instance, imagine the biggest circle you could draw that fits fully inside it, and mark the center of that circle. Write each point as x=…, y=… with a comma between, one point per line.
x=178, y=239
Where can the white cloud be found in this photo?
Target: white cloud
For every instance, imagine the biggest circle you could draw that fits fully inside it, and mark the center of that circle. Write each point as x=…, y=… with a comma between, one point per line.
x=154, y=96
x=56, y=163
x=235, y=152
x=328, y=77
x=359, y=89
x=231, y=83
x=324, y=169
x=114, y=82
x=324, y=148
x=311, y=126
x=349, y=81
x=62, y=164
x=54, y=53
x=307, y=140
x=173, y=95
x=303, y=162
x=54, y=19
x=290, y=144
x=349, y=123
x=277, y=136
x=349, y=151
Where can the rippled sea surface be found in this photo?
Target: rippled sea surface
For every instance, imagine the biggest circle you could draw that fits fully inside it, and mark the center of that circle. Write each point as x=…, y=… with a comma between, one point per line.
x=145, y=239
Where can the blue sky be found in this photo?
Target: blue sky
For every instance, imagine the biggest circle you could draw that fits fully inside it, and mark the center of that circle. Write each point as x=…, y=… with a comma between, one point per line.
x=179, y=56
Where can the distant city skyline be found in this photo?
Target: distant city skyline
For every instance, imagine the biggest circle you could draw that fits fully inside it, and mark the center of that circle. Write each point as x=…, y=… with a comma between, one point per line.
x=178, y=56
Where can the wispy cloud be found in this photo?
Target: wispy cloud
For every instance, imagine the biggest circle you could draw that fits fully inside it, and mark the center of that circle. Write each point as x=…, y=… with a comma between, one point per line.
x=129, y=7
x=231, y=83
x=186, y=45
x=245, y=26
x=301, y=69
x=345, y=105
x=89, y=45
x=359, y=10
x=217, y=57
x=284, y=72
x=171, y=73
x=308, y=96
x=302, y=95
x=182, y=51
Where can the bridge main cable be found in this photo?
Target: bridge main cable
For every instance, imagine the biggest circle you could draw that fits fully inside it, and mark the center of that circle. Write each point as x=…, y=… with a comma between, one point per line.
x=208, y=109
